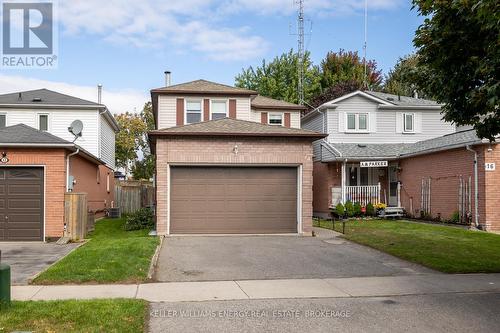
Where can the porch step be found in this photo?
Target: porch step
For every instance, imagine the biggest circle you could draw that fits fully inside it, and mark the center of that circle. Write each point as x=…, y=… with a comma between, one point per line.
x=393, y=212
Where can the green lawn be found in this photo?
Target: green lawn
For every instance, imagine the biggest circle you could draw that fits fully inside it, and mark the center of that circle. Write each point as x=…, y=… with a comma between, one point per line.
x=117, y=315
x=111, y=255
x=444, y=248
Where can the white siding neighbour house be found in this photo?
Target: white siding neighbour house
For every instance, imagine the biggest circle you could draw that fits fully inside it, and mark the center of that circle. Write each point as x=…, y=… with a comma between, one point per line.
x=58, y=112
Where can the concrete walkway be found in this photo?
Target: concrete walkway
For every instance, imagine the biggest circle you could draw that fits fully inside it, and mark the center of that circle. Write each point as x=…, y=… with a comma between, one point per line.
x=424, y=284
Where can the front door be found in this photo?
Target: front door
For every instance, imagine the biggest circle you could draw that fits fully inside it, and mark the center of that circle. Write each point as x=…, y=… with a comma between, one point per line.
x=393, y=185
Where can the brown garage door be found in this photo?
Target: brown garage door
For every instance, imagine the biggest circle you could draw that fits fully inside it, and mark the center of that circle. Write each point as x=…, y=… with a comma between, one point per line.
x=21, y=204
x=233, y=200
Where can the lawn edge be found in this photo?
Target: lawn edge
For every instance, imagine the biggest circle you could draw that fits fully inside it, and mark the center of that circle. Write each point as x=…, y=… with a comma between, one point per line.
x=154, y=260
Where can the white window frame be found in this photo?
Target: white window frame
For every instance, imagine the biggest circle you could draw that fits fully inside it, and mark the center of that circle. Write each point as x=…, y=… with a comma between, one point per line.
x=356, y=122
x=194, y=100
x=38, y=120
x=412, y=122
x=218, y=100
x=276, y=114
x=6, y=118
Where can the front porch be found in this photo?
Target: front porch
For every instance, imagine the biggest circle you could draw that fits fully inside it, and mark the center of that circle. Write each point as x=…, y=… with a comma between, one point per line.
x=368, y=182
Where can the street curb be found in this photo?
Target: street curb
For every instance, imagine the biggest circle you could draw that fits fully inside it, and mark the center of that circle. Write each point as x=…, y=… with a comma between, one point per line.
x=154, y=260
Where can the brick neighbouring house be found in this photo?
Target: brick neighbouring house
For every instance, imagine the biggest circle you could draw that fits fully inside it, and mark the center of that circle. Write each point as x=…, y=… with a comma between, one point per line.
x=230, y=162
x=36, y=162
x=422, y=171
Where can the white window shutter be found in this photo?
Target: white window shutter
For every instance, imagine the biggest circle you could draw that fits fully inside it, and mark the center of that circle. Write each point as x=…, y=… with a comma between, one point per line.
x=399, y=122
x=341, y=116
x=372, y=121
x=418, y=122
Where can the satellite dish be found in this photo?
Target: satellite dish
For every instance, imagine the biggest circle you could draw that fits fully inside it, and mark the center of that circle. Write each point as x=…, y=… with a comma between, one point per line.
x=76, y=128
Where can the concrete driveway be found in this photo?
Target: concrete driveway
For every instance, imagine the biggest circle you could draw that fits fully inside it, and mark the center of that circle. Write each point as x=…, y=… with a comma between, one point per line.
x=212, y=258
x=26, y=259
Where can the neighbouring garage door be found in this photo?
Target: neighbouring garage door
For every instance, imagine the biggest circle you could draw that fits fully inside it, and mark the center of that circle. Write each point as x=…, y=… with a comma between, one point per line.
x=228, y=200
x=21, y=204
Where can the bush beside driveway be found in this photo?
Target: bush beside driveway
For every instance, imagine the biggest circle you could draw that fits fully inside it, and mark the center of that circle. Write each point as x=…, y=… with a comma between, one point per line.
x=444, y=248
x=111, y=255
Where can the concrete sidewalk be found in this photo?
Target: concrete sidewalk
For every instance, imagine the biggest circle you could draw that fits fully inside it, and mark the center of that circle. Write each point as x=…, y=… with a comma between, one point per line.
x=269, y=289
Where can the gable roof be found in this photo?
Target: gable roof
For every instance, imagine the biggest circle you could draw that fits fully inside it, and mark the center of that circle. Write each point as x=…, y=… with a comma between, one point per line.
x=24, y=134
x=235, y=127
x=355, y=151
x=203, y=87
x=46, y=97
x=402, y=100
x=263, y=102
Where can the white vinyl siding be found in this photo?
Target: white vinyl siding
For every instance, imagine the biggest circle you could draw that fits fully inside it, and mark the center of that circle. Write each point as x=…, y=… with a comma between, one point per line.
x=167, y=112
x=314, y=123
x=107, y=145
x=243, y=111
x=59, y=121
x=385, y=125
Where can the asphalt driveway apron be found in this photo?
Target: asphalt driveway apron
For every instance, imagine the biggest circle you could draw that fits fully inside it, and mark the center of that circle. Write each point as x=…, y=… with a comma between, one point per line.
x=26, y=259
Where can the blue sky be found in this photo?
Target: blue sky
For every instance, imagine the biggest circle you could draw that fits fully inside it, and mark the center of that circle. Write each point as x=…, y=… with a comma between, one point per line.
x=126, y=45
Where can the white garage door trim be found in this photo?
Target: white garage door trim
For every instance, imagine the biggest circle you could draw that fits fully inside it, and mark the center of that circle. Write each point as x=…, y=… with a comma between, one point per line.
x=299, y=192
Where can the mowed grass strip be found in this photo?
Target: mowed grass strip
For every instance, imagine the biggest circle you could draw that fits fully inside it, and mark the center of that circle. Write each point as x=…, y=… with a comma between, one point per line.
x=112, y=255
x=118, y=315
x=444, y=248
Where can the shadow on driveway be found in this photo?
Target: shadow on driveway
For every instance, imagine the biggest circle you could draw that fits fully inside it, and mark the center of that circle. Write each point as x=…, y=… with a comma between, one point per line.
x=26, y=259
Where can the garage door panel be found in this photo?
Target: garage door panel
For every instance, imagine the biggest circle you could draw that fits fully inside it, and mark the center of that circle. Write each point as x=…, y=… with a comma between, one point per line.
x=233, y=200
x=21, y=203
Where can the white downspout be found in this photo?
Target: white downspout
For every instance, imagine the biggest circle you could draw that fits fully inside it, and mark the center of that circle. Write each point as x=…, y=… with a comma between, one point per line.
x=476, y=209
x=67, y=167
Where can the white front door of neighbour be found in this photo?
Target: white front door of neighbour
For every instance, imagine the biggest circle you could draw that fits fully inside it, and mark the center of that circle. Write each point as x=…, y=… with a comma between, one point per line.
x=393, y=185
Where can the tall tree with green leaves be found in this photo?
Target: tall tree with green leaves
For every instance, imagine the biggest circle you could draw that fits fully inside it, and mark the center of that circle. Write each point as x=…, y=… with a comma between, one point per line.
x=459, y=49
x=404, y=77
x=279, y=78
x=348, y=66
x=131, y=140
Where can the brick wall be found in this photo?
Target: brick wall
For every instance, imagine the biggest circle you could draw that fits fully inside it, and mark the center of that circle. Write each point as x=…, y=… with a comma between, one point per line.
x=95, y=184
x=492, y=188
x=326, y=176
x=444, y=168
x=55, y=182
x=220, y=151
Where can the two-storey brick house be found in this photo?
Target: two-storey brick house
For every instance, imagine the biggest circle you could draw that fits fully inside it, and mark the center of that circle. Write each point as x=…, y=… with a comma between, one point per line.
x=229, y=161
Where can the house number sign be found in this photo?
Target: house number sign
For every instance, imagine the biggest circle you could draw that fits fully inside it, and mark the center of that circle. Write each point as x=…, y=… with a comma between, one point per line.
x=489, y=166
x=4, y=159
x=373, y=164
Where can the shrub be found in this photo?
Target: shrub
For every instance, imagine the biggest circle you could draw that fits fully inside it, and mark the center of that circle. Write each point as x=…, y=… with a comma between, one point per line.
x=370, y=210
x=349, y=208
x=142, y=219
x=339, y=209
x=357, y=209
x=455, y=217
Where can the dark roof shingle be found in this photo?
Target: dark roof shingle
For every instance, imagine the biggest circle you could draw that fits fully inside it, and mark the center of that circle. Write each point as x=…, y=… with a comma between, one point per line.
x=204, y=87
x=235, y=127
x=24, y=134
x=43, y=96
x=402, y=100
x=271, y=103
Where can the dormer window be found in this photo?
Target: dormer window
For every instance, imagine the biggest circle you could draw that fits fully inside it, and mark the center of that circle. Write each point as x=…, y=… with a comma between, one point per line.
x=218, y=110
x=276, y=119
x=193, y=111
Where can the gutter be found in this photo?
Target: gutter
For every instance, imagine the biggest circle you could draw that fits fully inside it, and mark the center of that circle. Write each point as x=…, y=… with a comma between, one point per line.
x=476, y=196
x=67, y=167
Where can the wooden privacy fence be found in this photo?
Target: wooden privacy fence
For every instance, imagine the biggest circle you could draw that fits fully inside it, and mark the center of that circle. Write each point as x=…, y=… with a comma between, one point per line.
x=131, y=196
x=77, y=220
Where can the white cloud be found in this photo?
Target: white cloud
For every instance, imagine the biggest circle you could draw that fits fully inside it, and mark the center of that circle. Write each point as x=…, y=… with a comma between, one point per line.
x=117, y=101
x=205, y=26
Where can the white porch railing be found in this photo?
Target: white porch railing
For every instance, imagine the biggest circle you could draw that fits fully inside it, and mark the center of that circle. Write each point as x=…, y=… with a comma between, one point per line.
x=363, y=194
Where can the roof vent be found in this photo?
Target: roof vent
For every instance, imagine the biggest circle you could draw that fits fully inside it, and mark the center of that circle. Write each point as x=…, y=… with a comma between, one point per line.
x=361, y=145
x=36, y=99
x=390, y=98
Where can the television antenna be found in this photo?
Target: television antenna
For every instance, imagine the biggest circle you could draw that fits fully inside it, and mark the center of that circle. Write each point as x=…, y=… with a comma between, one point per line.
x=76, y=129
x=365, y=77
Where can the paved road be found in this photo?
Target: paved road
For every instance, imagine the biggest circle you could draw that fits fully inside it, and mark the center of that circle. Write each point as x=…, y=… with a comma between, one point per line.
x=474, y=312
x=212, y=258
x=29, y=258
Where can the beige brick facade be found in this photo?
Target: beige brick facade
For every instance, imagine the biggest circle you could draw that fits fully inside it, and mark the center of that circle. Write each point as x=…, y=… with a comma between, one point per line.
x=220, y=151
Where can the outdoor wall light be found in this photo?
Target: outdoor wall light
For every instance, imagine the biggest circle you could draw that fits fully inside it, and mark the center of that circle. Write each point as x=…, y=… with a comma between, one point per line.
x=235, y=149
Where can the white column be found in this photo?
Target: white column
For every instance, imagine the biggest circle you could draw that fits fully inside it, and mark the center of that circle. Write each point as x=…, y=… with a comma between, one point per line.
x=343, y=181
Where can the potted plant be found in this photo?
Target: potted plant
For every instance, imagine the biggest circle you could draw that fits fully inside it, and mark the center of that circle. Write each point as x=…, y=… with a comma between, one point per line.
x=380, y=208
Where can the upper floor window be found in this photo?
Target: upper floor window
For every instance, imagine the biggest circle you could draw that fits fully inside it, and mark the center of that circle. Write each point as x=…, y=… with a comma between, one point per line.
x=218, y=110
x=275, y=119
x=3, y=120
x=408, y=122
x=43, y=122
x=357, y=122
x=193, y=112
